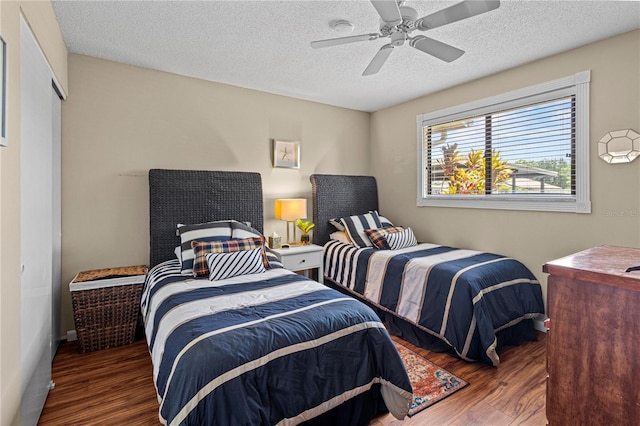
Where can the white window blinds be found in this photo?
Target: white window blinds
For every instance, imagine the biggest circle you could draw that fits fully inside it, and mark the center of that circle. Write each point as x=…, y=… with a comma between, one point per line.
x=524, y=150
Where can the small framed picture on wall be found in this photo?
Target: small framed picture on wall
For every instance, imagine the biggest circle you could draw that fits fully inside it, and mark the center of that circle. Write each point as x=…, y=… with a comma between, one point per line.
x=286, y=154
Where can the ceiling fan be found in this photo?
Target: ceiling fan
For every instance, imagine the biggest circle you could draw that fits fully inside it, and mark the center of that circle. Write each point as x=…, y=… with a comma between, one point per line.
x=398, y=21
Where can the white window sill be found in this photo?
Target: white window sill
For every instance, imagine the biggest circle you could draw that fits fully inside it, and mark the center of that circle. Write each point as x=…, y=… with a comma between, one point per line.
x=548, y=204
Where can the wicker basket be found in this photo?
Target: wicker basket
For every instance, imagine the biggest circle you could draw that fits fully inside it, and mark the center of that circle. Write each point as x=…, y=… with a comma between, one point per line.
x=106, y=310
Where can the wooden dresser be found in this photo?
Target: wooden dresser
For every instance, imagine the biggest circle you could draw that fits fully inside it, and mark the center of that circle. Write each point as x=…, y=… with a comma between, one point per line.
x=593, y=345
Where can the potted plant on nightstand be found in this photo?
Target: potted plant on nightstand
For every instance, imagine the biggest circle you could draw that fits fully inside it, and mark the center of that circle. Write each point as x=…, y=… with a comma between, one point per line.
x=305, y=226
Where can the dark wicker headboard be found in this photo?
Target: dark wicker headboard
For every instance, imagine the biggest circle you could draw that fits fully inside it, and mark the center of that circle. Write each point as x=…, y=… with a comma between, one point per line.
x=194, y=196
x=336, y=196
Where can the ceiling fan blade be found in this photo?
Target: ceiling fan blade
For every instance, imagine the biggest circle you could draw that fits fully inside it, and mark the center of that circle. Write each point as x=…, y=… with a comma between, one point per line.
x=436, y=48
x=343, y=40
x=388, y=11
x=457, y=12
x=378, y=61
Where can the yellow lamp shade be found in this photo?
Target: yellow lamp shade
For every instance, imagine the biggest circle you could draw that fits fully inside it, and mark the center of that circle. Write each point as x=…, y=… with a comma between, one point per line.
x=291, y=208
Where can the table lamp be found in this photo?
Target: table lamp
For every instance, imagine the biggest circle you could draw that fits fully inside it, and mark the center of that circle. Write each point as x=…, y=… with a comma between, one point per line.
x=290, y=209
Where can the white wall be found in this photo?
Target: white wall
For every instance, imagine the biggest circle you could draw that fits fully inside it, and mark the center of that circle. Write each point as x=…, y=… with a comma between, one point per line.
x=532, y=237
x=121, y=120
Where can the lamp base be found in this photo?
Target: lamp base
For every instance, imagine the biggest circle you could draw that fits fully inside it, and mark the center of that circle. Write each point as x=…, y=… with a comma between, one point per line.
x=291, y=223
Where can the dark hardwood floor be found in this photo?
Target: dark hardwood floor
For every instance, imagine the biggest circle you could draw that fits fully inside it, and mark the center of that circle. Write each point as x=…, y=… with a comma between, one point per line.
x=115, y=387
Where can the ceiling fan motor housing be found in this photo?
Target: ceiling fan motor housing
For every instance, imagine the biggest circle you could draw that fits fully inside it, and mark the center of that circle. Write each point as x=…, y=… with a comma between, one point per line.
x=409, y=15
x=398, y=38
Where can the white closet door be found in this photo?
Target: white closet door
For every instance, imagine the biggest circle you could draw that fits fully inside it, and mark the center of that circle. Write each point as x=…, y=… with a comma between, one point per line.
x=56, y=182
x=36, y=163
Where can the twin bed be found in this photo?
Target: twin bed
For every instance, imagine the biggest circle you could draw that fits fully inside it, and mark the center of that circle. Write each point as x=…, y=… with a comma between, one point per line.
x=442, y=298
x=262, y=345
x=260, y=348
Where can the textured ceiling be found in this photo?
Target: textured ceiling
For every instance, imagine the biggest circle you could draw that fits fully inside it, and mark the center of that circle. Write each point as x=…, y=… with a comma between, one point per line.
x=264, y=45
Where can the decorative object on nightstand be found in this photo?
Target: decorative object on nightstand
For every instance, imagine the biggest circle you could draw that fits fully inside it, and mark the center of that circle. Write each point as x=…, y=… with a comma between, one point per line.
x=274, y=241
x=105, y=306
x=619, y=146
x=302, y=258
x=305, y=226
x=291, y=209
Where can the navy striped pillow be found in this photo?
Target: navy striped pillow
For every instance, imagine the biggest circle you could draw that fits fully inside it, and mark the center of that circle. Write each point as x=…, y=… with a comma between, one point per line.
x=356, y=226
x=401, y=240
x=228, y=265
x=242, y=230
x=209, y=231
x=386, y=223
x=336, y=224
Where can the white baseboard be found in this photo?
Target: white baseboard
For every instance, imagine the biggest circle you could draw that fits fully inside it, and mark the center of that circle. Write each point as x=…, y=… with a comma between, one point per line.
x=71, y=335
x=539, y=325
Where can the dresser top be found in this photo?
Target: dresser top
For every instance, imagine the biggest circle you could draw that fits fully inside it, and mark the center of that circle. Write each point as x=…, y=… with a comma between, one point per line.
x=602, y=264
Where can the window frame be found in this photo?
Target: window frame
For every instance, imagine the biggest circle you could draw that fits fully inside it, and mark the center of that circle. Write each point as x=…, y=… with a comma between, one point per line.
x=576, y=85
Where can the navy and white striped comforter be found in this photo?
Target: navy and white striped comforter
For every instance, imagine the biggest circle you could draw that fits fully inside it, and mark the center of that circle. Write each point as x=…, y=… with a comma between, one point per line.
x=269, y=348
x=464, y=297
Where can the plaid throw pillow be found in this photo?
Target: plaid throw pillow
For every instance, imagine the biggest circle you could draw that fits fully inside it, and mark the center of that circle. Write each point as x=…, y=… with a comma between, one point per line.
x=378, y=237
x=202, y=248
x=233, y=264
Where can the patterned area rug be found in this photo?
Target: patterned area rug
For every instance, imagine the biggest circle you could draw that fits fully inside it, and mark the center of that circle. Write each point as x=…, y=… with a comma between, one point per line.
x=430, y=383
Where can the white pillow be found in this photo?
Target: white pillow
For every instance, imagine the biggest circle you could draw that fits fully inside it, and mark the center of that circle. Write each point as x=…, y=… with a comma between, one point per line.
x=227, y=265
x=341, y=236
x=401, y=240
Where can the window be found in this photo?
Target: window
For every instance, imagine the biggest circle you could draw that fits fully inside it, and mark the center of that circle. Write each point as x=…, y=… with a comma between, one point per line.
x=523, y=150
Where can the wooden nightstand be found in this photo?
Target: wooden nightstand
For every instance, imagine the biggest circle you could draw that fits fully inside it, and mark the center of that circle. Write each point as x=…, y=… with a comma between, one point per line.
x=302, y=258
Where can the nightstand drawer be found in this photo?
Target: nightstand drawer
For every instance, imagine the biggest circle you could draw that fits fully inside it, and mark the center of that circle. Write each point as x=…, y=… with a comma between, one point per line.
x=302, y=261
x=302, y=258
